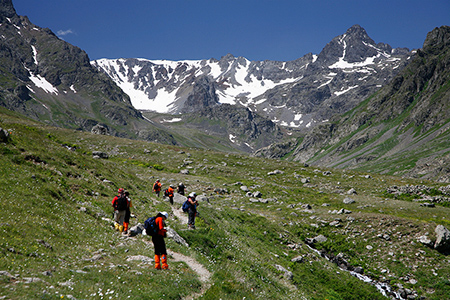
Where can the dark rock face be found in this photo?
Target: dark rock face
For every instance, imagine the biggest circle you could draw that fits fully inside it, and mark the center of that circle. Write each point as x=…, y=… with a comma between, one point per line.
x=6, y=9
x=240, y=125
x=203, y=95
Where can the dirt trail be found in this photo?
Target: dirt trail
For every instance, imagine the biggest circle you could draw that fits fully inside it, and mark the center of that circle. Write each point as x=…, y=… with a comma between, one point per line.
x=203, y=273
x=178, y=212
x=198, y=268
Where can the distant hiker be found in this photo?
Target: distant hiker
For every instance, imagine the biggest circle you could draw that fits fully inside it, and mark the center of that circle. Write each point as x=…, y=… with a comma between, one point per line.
x=158, y=241
x=170, y=192
x=180, y=188
x=192, y=210
x=157, y=187
x=119, y=203
x=126, y=222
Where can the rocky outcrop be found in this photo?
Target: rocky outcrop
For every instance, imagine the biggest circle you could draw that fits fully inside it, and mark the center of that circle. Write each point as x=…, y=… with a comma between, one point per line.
x=442, y=243
x=4, y=135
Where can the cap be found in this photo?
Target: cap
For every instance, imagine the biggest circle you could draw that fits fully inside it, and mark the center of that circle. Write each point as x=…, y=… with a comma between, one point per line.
x=165, y=214
x=193, y=194
x=121, y=190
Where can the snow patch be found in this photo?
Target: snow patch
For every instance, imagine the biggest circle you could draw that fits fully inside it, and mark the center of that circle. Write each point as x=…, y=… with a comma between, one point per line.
x=172, y=120
x=34, y=55
x=42, y=83
x=345, y=91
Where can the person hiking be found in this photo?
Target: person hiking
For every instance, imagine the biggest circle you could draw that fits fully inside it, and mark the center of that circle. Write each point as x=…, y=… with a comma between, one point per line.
x=126, y=222
x=192, y=211
x=180, y=188
x=170, y=192
x=157, y=187
x=159, y=243
x=119, y=203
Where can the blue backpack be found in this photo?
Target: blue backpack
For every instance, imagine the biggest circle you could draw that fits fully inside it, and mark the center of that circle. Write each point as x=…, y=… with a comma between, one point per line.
x=150, y=226
x=186, y=206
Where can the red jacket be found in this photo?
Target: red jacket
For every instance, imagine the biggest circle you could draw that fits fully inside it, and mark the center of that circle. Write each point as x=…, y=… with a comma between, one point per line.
x=113, y=203
x=160, y=224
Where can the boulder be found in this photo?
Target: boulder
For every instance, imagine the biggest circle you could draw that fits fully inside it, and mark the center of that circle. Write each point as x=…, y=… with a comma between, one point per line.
x=138, y=229
x=244, y=188
x=176, y=237
x=4, y=136
x=100, y=154
x=275, y=172
x=318, y=239
x=442, y=239
x=257, y=194
x=425, y=240
x=298, y=259
x=99, y=129
x=178, y=198
x=351, y=191
x=348, y=200
x=202, y=198
x=287, y=274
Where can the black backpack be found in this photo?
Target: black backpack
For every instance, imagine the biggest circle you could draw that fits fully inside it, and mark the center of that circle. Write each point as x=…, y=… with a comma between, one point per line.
x=121, y=203
x=166, y=192
x=150, y=226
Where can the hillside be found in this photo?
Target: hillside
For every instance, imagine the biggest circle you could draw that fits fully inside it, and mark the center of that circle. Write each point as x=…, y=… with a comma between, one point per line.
x=57, y=239
x=50, y=80
x=402, y=129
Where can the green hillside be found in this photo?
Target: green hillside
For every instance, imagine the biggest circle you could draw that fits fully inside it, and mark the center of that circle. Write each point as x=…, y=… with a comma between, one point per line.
x=57, y=239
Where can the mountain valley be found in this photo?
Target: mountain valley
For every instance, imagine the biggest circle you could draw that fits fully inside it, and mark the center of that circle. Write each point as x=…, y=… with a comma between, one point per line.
x=326, y=177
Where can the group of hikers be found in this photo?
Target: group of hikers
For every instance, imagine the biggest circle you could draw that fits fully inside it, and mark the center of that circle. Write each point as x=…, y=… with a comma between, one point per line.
x=122, y=204
x=169, y=192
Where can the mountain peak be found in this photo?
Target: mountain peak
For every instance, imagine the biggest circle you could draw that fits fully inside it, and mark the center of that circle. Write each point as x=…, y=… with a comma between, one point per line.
x=438, y=37
x=354, y=46
x=7, y=9
x=356, y=29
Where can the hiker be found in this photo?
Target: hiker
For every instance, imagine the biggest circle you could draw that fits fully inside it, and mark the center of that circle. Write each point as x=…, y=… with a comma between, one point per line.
x=192, y=210
x=126, y=222
x=159, y=243
x=180, y=189
x=170, y=192
x=119, y=203
x=157, y=187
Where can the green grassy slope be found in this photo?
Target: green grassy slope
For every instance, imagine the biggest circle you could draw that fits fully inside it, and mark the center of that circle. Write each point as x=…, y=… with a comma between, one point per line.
x=57, y=237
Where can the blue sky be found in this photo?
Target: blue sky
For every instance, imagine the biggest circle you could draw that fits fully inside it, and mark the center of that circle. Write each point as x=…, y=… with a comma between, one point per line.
x=281, y=30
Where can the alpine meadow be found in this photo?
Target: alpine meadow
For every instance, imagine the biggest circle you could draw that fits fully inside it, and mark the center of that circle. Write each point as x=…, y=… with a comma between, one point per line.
x=326, y=177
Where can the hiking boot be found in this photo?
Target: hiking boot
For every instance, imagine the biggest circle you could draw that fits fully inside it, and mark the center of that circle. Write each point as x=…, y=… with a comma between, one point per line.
x=165, y=266
x=157, y=262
